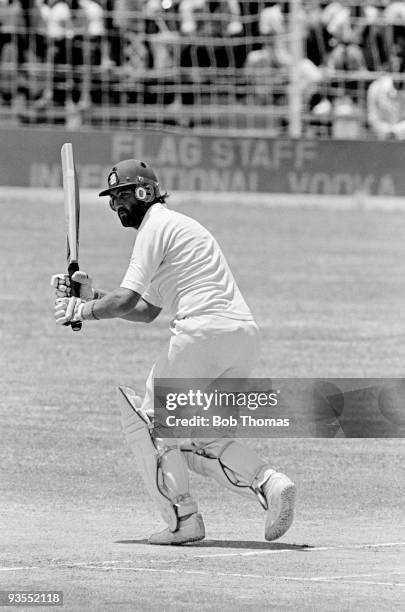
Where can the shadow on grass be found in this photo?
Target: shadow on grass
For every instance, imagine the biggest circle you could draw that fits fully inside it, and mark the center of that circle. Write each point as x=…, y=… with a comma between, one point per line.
x=240, y=544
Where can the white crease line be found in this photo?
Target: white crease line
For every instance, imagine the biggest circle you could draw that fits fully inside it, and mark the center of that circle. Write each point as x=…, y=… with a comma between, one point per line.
x=323, y=579
x=318, y=579
x=271, y=551
x=107, y=568
x=306, y=549
x=13, y=569
x=216, y=555
x=375, y=545
x=373, y=575
x=370, y=582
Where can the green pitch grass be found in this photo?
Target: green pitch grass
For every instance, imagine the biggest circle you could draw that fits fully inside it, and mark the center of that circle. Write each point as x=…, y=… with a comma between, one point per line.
x=327, y=288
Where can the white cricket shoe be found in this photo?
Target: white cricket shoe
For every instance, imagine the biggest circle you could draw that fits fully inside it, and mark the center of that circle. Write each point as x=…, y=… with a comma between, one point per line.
x=191, y=529
x=280, y=493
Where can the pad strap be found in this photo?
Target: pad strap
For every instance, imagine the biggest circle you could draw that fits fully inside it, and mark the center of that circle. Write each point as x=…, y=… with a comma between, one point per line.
x=231, y=464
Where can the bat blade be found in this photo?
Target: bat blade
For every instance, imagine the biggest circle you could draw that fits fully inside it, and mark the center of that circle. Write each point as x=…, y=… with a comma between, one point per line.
x=72, y=218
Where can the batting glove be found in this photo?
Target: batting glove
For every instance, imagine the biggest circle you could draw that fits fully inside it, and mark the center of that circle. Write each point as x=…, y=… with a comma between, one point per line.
x=68, y=310
x=62, y=285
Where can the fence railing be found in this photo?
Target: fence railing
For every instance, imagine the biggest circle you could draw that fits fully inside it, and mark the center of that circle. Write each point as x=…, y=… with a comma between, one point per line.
x=295, y=68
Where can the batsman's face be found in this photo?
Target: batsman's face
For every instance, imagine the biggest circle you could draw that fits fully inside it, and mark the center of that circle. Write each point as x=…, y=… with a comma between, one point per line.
x=129, y=210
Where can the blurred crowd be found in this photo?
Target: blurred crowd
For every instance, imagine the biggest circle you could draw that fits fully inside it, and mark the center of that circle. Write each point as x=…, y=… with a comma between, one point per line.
x=105, y=52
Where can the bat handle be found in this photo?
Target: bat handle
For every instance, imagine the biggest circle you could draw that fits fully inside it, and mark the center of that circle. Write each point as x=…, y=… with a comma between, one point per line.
x=74, y=291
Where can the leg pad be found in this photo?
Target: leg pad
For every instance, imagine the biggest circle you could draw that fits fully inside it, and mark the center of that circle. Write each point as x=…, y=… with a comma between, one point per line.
x=163, y=467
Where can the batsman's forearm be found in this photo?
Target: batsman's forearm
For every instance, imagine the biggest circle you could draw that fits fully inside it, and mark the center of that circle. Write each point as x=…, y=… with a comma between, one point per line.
x=142, y=313
x=136, y=316
x=113, y=305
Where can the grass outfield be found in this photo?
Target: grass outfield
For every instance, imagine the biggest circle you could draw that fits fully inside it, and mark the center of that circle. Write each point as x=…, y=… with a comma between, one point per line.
x=327, y=288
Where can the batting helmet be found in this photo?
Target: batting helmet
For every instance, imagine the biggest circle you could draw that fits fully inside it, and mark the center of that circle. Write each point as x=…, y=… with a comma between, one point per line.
x=137, y=174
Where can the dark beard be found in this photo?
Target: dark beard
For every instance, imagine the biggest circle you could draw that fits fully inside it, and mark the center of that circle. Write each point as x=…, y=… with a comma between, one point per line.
x=134, y=217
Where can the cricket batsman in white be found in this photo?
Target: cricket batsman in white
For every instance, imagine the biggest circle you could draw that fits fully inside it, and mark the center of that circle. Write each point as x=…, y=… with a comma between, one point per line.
x=176, y=264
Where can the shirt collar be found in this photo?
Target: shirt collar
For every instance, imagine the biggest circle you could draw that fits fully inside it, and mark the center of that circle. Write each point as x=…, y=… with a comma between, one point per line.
x=152, y=210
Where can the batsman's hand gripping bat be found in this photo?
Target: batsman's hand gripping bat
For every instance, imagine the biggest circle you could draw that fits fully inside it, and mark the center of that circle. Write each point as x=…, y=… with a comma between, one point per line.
x=72, y=216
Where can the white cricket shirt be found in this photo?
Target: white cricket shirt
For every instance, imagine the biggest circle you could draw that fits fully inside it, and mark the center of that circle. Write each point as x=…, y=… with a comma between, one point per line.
x=385, y=105
x=177, y=265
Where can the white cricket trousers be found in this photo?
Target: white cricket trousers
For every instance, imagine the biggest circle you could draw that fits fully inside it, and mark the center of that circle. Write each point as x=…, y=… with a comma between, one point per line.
x=205, y=346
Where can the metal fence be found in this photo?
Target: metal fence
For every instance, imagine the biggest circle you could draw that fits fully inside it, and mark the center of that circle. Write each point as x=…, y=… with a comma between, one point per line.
x=298, y=68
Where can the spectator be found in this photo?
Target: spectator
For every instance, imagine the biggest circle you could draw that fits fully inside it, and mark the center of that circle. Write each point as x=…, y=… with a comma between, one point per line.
x=394, y=16
x=274, y=56
x=11, y=47
x=87, y=51
x=370, y=34
x=164, y=36
x=193, y=51
x=209, y=52
x=319, y=40
x=343, y=54
x=228, y=10
x=57, y=19
x=269, y=60
x=386, y=107
x=57, y=16
x=129, y=25
x=11, y=21
x=35, y=28
x=394, y=21
x=112, y=39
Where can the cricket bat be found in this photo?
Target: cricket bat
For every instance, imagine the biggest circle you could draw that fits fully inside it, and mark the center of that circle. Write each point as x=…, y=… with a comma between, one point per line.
x=72, y=217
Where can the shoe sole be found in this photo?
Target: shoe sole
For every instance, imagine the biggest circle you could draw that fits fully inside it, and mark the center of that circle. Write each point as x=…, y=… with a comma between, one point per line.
x=179, y=542
x=285, y=519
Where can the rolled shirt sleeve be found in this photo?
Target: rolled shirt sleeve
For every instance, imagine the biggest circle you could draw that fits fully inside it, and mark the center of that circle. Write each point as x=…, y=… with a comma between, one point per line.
x=152, y=296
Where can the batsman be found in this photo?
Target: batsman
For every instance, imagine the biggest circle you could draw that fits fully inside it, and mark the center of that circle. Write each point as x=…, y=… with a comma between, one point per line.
x=178, y=266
